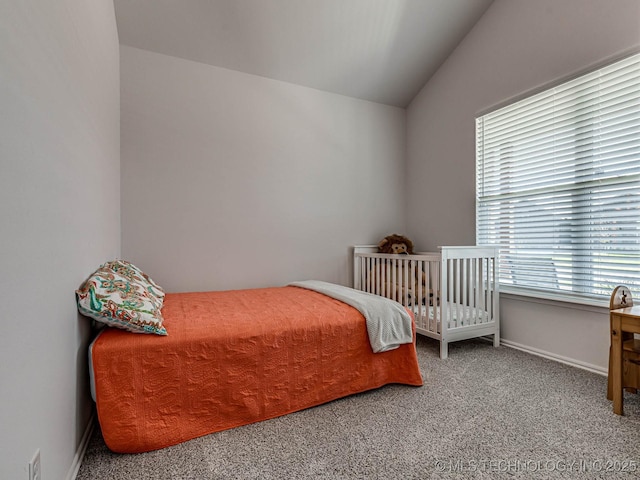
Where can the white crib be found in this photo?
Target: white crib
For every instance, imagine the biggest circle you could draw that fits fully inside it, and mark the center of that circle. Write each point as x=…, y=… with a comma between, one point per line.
x=453, y=294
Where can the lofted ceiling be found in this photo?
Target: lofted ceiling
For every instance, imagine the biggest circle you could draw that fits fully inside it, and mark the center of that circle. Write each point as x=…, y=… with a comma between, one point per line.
x=378, y=50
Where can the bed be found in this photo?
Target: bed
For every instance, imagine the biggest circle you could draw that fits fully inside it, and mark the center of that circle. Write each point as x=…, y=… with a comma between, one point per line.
x=454, y=293
x=231, y=358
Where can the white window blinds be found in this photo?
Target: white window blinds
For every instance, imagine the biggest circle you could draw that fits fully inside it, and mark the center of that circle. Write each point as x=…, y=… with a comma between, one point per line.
x=558, y=184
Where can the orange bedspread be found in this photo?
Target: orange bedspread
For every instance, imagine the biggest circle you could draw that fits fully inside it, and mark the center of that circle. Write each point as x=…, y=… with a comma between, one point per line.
x=233, y=358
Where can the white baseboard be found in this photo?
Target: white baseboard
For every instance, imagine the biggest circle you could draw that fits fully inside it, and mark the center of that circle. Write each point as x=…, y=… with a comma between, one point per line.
x=82, y=448
x=558, y=358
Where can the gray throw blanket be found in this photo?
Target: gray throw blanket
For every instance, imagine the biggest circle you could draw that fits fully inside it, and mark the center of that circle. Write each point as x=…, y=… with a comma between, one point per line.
x=388, y=323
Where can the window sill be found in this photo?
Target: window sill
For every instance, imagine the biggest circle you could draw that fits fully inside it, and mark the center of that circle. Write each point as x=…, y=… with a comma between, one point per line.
x=557, y=300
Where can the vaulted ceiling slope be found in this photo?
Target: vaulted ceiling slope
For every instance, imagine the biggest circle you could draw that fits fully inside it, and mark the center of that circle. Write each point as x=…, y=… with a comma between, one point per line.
x=378, y=50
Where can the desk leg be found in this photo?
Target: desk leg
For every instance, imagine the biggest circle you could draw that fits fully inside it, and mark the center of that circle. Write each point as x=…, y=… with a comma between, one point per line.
x=610, y=369
x=616, y=363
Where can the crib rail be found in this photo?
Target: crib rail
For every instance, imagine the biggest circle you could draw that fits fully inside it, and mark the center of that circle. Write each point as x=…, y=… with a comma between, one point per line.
x=470, y=275
x=412, y=280
x=453, y=293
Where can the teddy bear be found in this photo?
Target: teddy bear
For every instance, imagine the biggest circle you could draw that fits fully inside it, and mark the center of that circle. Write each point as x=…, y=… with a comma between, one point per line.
x=400, y=245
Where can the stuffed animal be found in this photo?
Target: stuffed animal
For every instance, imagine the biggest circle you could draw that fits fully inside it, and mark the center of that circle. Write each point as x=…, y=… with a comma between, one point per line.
x=398, y=244
x=395, y=286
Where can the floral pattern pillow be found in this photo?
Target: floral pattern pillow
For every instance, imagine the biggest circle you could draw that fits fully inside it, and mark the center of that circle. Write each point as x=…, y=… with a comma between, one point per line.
x=115, y=297
x=134, y=274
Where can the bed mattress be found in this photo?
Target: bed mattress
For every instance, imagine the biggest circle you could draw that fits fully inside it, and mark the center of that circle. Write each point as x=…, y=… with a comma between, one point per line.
x=233, y=358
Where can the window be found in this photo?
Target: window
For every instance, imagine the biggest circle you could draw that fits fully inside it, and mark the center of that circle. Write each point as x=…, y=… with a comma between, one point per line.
x=558, y=185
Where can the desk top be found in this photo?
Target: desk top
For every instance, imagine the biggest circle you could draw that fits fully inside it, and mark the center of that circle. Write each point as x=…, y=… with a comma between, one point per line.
x=628, y=311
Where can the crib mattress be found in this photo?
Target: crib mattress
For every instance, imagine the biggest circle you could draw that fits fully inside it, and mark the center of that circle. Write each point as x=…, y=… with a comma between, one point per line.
x=458, y=315
x=233, y=358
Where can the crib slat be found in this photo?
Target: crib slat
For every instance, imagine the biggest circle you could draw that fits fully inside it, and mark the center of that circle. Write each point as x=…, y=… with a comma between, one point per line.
x=422, y=305
x=419, y=293
x=390, y=274
x=476, y=292
x=402, y=285
x=405, y=275
x=393, y=281
x=450, y=299
x=442, y=288
x=384, y=268
x=418, y=312
x=465, y=291
x=437, y=296
x=487, y=280
x=427, y=294
x=489, y=288
x=485, y=297
x=472, y=292
x=457, y=319
x=461, y=304
x=401, y=282
x=400, y=279
x=364, y=269
x=376, y=275
x=425, y=268
x=369, y=274
x=411, y=267
x=494, y=287
x=445, y=300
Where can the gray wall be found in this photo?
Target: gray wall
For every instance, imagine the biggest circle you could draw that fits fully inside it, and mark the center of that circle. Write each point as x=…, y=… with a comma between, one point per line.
x=60, y=217
x=232, y=180
x=516, y=47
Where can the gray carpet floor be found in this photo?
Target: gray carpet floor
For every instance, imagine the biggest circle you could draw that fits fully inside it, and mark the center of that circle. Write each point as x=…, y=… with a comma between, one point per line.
x=484, y=412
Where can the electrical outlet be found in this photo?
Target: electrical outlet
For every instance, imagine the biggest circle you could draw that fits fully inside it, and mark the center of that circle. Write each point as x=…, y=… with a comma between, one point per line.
x=34, y=467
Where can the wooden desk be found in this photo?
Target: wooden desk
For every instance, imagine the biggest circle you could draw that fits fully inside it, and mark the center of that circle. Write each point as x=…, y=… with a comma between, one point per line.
x=624, y=323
